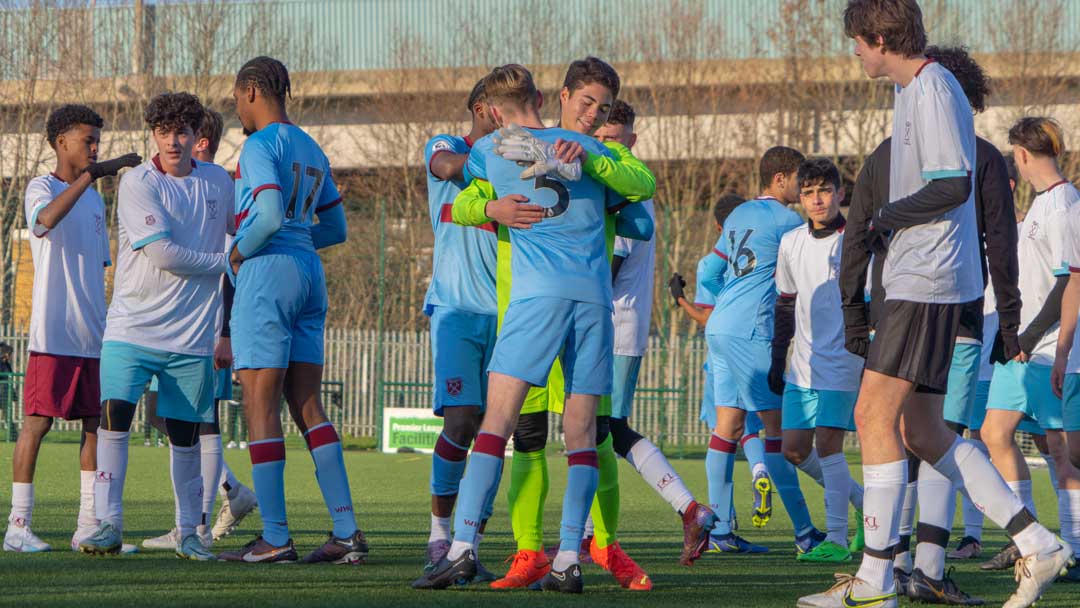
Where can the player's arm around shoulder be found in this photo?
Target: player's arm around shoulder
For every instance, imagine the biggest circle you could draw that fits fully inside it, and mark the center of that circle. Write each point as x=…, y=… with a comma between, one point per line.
x=620, y=171
x=443, y=161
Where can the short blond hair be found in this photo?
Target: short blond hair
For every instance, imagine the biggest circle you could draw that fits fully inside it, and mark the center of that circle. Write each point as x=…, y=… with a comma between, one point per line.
x=511, y=83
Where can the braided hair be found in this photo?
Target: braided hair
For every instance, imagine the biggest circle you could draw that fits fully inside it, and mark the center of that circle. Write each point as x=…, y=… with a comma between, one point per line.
x=267, y=75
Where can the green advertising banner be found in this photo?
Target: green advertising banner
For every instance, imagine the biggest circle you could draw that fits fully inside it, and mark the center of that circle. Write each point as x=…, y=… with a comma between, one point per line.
x=412, y=428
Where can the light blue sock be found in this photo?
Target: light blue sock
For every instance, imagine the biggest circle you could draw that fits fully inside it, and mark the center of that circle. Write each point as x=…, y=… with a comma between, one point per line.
x=786, y=480
x=489, y=505
x=754, y=450
x=481, y=481
x=447, y=466
x=330, y=472
x=581, y=481
x=719, y=469
x=268, y=475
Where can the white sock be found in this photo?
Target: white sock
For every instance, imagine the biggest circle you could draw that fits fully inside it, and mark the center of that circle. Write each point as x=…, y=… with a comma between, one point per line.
x=963, y=463
x=811, y=465
x=1051, y=468
x=22, y=504
x=440, y=528
x=211, y=464
x=87, y=518
x=937, y=506
x=973, y=518
x=228, y=485
x=655, y=469
x=1069, y=513
x=884, y=484
x=834, y=469
x=564, y=559
x=1022, y=489
x=907, y=508
x=759, y=468
x=457, y=549
x=187, y=487
x=112, y=461
x=590, y=529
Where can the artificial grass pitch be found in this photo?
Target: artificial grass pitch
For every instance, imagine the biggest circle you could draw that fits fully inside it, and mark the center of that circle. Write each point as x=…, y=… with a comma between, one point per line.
x=392, y=503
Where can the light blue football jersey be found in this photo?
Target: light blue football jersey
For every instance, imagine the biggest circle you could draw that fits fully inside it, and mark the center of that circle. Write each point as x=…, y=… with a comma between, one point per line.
x=463, y=265
x=564, y=255
x=749, y=244
x=703, y=294
x=281, y=156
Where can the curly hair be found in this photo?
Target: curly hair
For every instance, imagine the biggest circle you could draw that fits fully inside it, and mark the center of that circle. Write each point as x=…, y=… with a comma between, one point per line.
x=814, y=171
x=968, y=73
x=622, y=113
x=267, y=75
x=173, y=112
x=67, y=116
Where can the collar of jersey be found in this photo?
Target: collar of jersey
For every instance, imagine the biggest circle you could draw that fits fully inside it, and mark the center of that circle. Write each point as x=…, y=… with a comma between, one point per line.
x=1052, y=186
x=157, y=164
x=836, y=225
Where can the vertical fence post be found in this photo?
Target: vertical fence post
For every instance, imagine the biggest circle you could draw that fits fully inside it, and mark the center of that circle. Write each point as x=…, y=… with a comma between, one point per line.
x=380, y=349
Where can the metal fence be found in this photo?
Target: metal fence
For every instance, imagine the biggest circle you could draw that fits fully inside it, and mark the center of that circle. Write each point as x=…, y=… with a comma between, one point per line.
x=366, y=371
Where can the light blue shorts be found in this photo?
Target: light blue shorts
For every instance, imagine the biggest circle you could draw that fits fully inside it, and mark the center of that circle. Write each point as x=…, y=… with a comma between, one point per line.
x=623, y=385
x=740, y=371
x=185, y=382
x=536, y=330
x=807, y=408
x=1025, y=387
x=279, y=311
x=1030, y=426
x=461, y=346
x=978, y=406
x=222, y=384
x=963, y=381
x=751, y=426
x=1071, y=403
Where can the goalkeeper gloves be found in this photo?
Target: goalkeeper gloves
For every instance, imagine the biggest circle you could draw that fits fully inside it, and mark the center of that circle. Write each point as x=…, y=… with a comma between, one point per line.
x=516, y=144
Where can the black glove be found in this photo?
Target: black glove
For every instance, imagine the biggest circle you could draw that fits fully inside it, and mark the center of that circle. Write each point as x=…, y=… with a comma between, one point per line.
x=877, y=241
x=113, y=166
x=1006, y=345
x=676, y=285
x=776, y=375
x=857, y=340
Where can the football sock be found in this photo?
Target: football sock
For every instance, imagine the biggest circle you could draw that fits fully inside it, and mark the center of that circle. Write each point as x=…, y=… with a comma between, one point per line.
x=481, y=478
x=834, y=469
x=333, y=480
x=528, y=491
x=719, y=468
x=184, y=466
x=1022, y=489
x=228, y=484
x=937, y=506
x=655, y=469
x=1069, y=514
x=440, y=528
x=268, y=477
x=964, y=463
x=581, y=485
x=786, y=481
x=884, y=489
x=907, y=523
x=754, y=450
x=973, y=518
x=811, y=465
x=212, y=462
x=22, y=503
x=112, y=461
x=605, y=505
x=447, y=466
x=87, y=518
x=564, y=559
x=1051, y=468
x=590, y=529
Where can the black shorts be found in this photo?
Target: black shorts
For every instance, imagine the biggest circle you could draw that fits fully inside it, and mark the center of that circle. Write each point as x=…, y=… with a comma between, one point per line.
x=914, y=342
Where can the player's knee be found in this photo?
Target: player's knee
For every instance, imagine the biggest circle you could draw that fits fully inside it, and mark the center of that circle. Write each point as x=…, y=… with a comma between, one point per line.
x=116, y=415
x=461, y=429
x=531, y=432
x=36, y=426
x=182, y=433
x=623, y=436
x=996, y=437
x=603, y=428
x=795, y=453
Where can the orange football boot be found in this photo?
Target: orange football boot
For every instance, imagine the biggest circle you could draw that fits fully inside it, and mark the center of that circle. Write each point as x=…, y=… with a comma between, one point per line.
x=528, y=567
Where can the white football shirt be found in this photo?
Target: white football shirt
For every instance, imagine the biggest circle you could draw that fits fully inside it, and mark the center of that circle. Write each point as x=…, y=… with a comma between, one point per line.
x=809, y=269
x=156, y=308
x=67, y=314
x=1042, y=257
x=933, y=138
x=632, y=292
x=1071, y=259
